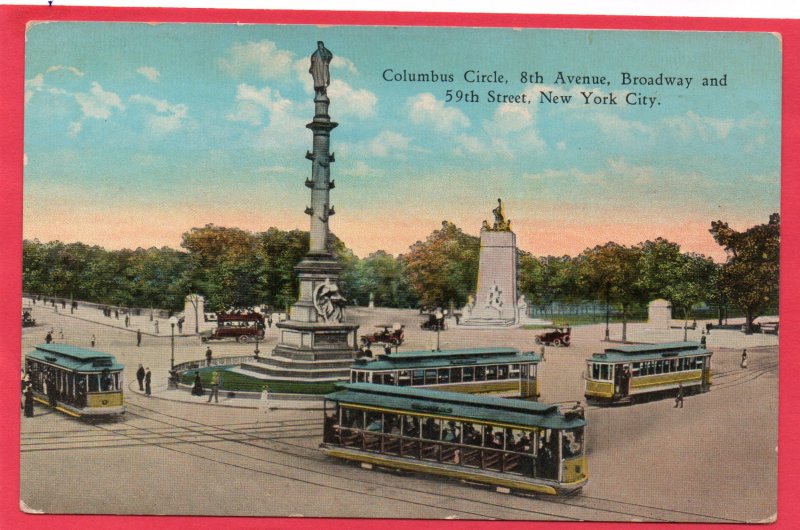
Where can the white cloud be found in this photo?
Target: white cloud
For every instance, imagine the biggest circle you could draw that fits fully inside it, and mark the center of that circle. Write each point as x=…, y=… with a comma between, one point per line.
x=388, y=143
x=425, y=109
x=70, y=69
x=34, y=84
x=149, y=72
x=169, y=117
x=75, y=127
x=262, y=58
x=251, y=103
x=98, y=103
x=707, y=128
x=349, y=101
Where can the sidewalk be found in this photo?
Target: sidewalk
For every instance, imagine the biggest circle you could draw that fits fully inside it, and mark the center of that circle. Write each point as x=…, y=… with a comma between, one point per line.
x=184, y=396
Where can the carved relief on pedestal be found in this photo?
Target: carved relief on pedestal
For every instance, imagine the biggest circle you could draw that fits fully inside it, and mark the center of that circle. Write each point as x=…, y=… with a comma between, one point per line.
x=329, y=302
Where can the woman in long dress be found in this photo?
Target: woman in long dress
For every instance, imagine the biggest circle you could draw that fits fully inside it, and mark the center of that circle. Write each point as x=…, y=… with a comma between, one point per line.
x=197, y=389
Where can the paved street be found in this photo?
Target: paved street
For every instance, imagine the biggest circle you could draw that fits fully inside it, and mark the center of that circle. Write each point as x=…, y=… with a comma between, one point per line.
x=713, y=461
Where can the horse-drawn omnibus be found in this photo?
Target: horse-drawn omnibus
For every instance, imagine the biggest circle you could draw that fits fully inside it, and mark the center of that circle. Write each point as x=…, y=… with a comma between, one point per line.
x=628, y=373
x=76, y=381
x=511, y=444
x=505, y=371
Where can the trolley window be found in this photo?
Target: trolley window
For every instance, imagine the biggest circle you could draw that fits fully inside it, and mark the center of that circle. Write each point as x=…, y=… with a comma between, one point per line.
x=403, y=378
x=502, y=372
x=572, y=442
x=430, y=377
x=443, y=375
x=469, y=374
x=418, y=377
x=455, y=375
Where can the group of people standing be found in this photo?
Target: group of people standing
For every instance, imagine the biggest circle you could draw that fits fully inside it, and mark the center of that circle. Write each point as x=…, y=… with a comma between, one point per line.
x=144, y=377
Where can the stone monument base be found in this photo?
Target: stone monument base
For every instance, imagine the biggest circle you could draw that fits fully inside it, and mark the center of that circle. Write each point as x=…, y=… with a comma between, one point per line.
x=309, y=351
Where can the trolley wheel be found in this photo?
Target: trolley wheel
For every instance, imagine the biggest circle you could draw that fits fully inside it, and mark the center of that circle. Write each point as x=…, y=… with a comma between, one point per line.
x=537, y=340
x=243, y=338
x=565, y=340
x=203, y=339
x=557, y=343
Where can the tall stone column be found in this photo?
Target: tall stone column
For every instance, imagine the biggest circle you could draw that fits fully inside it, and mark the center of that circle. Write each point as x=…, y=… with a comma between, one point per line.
x=316, y=330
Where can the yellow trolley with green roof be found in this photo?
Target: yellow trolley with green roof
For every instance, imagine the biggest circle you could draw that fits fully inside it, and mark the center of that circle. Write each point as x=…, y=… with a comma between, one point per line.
x=499, y=370
x=511, y=444
x=630, y=373
x=76, y=381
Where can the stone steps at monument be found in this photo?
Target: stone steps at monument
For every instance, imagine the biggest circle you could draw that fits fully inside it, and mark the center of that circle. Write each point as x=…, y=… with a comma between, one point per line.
x=300, y=364
x=305, y=378
x=300, y=355
x=306, y=372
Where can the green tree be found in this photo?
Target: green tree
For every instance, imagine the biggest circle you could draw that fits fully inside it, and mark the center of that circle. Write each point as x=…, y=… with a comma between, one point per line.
x=611, y=273
x=685, y=279
x=750, y=276
x=386, y=278
x=444, y=267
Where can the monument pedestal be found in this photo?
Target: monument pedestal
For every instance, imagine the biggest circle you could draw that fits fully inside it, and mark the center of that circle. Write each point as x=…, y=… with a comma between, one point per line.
x=496, y=295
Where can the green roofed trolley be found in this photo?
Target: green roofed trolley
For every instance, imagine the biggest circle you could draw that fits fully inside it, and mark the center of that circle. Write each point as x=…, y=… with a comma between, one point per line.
x=76, y=381
x=507, y=443
x=628, y=373
x=502, y=371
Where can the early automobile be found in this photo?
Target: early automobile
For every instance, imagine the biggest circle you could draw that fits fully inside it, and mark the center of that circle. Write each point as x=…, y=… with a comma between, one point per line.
x=391, y=334
x=559, y=336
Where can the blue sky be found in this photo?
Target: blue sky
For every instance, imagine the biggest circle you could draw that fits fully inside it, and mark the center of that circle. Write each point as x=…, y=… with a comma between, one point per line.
x=135, y=133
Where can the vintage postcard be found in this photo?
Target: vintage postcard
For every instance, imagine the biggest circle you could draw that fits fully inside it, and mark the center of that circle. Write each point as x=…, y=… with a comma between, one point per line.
x=395, y=272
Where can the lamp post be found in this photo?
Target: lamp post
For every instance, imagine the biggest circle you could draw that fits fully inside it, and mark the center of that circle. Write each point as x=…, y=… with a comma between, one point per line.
x=439, y=323
x=607, y=314
x=172, y=321
x=259, y=330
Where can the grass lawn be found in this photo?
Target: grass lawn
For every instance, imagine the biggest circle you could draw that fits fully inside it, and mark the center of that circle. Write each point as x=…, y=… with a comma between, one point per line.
x=232, y=381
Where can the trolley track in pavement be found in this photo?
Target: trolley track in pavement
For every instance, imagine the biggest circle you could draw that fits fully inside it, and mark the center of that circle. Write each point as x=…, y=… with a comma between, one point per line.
x=178, y=438
x=654, y=513
x=416, y=493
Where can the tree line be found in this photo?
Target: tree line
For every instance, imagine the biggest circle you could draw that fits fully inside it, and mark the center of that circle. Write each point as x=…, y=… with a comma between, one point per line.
x=231, y=267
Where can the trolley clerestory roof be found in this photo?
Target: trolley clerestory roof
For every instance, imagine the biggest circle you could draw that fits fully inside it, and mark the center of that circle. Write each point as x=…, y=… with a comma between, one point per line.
x=75, y=358
x=493, y=410
x=650, y=352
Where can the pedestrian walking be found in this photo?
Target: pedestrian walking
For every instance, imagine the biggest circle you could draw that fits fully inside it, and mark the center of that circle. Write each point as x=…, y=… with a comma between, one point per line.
x=269, y=321
x=180, y=326
x=127, y=320
x=744, y=358
x=93, y=340
x=541, y=351
x=197, y=389
x=208, y=356
x=28, y=401
x=679, y=397
x=147, y=379
x=49, y=337
x=52, y=391
x=214, y=387
x=138, y=337
x=116, y=314
x=140, y=377
x=155, y=325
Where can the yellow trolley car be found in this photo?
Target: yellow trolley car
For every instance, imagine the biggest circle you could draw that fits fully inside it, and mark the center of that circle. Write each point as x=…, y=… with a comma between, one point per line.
x=511, y=444
x=502, y=371
x=628, y=373
x=76, y=381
